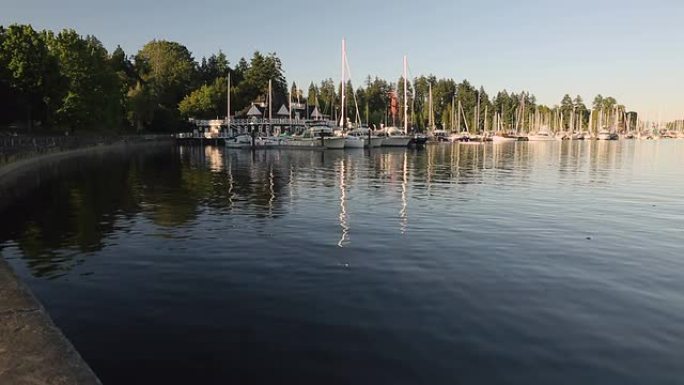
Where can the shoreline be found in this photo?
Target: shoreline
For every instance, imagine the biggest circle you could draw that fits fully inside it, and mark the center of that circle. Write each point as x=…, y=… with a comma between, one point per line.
x=33, y=350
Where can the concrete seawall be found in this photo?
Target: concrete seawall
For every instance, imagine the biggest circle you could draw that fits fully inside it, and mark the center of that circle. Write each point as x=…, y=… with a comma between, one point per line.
x=32, y=349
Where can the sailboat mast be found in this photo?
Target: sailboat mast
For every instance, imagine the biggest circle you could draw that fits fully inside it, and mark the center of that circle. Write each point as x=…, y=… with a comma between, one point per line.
x=477, y=114
x=228, y=101
x=453, y=116
x=270, y=108
x=431, y=122
x=289, y=104
x=458, y=116
x=343, y=119
x=405, y=98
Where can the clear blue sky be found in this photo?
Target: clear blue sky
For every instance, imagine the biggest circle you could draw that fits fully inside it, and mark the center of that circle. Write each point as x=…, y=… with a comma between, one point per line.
x=632, y=50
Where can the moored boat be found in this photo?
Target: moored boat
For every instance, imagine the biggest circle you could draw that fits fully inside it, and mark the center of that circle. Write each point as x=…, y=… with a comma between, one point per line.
x=440, y=136
x=541, y=136
x=418, y=140
x=394, y=137
x=351, y=141
x=563, y=135
x=317, y=136
x=240, y=141
x=460, y=137
x=501, y=137
x=606, y=135
x=245, y=141
x=370, y=139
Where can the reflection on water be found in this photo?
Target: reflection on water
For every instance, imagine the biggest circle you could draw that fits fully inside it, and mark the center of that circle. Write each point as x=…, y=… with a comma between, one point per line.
x=56, y=224
x=517, y=263
x=403, y=213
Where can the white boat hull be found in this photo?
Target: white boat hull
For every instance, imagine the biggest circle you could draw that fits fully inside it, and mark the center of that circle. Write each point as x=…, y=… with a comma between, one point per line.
x=541, y=138
x=354, y=142
x=237, y=145
x=308, y=143
x=502, y=139
x=246, y=142
x=334, y=143
x=375, y=141
x=396, y=141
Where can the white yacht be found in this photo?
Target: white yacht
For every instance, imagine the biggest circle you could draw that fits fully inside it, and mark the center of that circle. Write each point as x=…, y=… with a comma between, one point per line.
x=541, y=136
x=462, y=136
x=351, y=141
x=362, y=132
x=317, y=136
x=245, y=141
x=394, y=137
x=501, y=137
x=240, y=141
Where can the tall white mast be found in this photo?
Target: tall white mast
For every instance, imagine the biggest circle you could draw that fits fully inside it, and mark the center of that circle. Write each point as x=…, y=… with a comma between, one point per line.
x=453, y=116
x=270, y=108
x=270, y=100
x=477, y=113
x=289, y=103
x=431, y=117
x=405, y=99
x=228, y=101
x=343, y=120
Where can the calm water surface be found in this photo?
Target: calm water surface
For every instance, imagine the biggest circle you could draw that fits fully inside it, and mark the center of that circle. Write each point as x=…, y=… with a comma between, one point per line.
x=519, y=263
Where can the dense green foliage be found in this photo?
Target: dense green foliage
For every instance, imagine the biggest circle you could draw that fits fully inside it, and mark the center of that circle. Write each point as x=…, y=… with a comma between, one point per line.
x=206, y=102
x=66, y=81
x=29, y=75
x=91, y=93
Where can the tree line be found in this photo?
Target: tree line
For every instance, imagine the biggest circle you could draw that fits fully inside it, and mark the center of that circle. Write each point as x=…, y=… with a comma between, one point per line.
x=66, y=81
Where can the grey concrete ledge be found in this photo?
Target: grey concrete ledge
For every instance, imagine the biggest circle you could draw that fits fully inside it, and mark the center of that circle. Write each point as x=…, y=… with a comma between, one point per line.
x=32, y=349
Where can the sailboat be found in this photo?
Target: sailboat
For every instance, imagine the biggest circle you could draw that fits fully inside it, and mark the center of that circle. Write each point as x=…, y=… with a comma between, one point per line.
x=419, y=139
x=543, y=135
x=608, y=134
x=500, y=136
x=461, y=136
x=394, y=137
x=350, y=141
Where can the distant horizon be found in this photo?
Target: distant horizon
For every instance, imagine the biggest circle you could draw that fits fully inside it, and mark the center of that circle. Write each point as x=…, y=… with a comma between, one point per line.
x=627, y=50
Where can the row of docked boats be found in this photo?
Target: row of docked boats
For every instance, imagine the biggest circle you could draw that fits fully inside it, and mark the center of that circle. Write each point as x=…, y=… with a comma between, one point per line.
x=324, y=137
x=539, y=136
